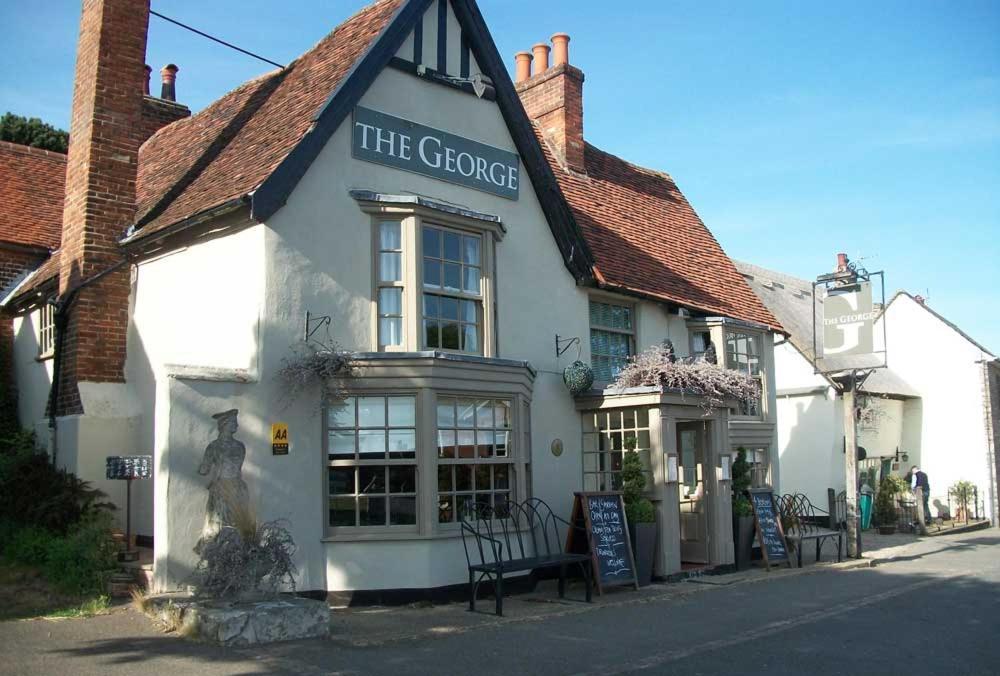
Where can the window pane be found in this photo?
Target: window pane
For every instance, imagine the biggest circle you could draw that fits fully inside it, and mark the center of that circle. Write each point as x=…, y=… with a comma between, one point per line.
x=470, y=338
x=432, y=242
x=466, y=412
x=432, y=273
x=470, y=311
x=371, y=411
x=464, y=505
x=452, y=276
x=445, y=482
x=390, y=267
x=403, y=479
x=452, y=246
x=501, y=477
x=389, y=235
x=484, y=444
x=501, y=414
x=431, y=305
x=371, y=479
x=446, y=444
x=466, y=443
x=463, y=477
x=402, y=444
x=402, y=511
x=371, y=442
x=342, y=512
x=449, y=307
x=390, y=331
x=446, y=509
x=484, y=413
x=432, y=334
x=402, y=411
x=371, y=511
x=501, y=441
x=341, y=481
x=483, y=477
x=470, y=250
x=341, y=443
x=390, y=301
x=471, y=280
x=449, y=336
x=342, y=413
x=446, y=413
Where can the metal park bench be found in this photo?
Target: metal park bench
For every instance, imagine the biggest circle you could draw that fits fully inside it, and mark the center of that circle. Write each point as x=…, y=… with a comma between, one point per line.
x=802, y=521
x=515, y=537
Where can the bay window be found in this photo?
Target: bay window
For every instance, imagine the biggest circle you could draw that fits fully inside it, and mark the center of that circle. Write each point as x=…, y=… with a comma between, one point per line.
x=453, y=297
x=743, y=354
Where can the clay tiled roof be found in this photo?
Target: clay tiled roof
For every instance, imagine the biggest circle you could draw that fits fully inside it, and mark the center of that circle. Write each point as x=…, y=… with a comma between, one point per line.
x=32, y=182
x=646, y=239
x=227, y=150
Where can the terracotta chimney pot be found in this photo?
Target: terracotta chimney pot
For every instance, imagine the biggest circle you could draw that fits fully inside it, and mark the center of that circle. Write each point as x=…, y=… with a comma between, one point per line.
x=560, y=49
x=522, y=62
x=145, y=86
x=541, y=51
x=169, y=75
x=841, y=262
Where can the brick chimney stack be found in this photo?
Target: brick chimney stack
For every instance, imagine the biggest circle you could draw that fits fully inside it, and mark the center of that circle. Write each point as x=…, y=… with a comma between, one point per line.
x=106, y=131
x=553, y=97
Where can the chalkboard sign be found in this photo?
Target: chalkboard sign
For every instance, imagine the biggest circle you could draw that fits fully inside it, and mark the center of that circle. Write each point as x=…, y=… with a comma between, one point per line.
x=602, y=515
x=769, y=531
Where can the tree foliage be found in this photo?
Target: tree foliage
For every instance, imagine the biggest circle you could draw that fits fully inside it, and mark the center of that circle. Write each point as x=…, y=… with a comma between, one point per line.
x=31, y=131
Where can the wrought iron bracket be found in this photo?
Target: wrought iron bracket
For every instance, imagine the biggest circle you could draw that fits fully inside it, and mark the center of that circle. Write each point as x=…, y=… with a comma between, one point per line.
x=563, y=344
x=314, y=324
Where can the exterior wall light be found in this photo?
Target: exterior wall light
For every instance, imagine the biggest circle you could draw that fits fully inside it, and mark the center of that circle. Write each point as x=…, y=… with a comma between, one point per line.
x=671, y=468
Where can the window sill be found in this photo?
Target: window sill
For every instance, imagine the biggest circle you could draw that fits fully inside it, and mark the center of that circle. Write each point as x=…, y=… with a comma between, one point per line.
x=45, y=357
x=449, y=534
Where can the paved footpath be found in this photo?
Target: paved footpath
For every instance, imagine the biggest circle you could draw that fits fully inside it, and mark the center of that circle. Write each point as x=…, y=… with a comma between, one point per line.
x=933, y=609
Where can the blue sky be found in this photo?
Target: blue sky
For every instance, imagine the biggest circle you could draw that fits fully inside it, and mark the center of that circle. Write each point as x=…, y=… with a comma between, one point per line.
x=796, y=130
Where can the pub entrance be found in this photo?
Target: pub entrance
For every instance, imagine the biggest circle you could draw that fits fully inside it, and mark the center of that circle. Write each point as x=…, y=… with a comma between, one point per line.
x=694, y=491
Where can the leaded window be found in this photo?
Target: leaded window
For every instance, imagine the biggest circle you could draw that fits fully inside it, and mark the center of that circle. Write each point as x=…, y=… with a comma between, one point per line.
x=453, y=293
x=606, y=438
x=474, y=454
x=612, y=337
x=372, y=457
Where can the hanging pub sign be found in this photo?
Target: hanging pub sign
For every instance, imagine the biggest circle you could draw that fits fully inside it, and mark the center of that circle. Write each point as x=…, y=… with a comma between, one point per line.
x=848, y=320
x=395, y=142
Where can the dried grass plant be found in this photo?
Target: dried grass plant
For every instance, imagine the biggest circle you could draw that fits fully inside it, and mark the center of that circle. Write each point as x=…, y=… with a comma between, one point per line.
x=713, y=385
x=315, y=365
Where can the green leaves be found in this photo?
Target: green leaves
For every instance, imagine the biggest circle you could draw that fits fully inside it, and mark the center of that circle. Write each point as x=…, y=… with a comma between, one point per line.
x=32, y=132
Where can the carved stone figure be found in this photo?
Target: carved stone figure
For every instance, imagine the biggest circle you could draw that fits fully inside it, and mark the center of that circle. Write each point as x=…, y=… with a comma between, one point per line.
x=223, y=463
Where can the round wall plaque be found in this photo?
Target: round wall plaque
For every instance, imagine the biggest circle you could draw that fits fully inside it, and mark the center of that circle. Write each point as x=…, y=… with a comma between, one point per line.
x=557, y=447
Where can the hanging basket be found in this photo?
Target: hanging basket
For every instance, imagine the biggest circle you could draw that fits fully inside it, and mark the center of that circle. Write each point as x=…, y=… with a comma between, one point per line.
x=579, y=377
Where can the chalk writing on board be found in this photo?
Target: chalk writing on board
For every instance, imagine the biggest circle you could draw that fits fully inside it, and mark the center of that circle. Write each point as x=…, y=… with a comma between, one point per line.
x=609, y=535
x=769, y=528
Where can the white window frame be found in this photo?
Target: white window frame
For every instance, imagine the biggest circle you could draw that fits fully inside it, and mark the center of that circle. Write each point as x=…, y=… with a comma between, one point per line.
x=381, y=284
x=459, y=295
x=604, y=435
x=46, y=331
x=630, y=333
x=758, y=338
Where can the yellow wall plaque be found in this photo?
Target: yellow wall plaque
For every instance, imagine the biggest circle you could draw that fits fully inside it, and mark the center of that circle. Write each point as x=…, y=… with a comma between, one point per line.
x=279, y=439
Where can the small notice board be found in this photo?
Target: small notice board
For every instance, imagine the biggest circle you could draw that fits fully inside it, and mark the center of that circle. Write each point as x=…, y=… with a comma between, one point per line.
x=769, y=531
x=602, y=516
x=279, y=439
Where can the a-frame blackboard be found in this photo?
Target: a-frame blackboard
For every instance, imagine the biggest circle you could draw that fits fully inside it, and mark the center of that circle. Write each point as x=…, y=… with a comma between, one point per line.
x=767, y=519
x=602, y=516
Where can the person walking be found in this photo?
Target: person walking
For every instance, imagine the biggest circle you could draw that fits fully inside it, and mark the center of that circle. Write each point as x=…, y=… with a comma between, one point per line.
x=918, y=479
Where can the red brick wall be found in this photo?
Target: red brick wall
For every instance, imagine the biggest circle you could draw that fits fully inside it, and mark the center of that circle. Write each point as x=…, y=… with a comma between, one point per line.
x=106, y=130
x=555, y=99
x=157, y=113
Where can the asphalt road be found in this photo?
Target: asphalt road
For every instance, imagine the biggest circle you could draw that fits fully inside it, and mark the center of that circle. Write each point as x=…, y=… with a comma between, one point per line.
x=934, y=611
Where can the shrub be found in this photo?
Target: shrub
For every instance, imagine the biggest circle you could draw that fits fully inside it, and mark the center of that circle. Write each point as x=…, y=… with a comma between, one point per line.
x=638, y=509
x=741, y=483
x=885, y=502
x=29, y=546
x=81, y=562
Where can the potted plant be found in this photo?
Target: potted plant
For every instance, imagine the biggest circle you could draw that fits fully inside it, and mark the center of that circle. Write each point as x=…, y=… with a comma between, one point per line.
x=742, y=510
x=885, y=505
x=640, y=513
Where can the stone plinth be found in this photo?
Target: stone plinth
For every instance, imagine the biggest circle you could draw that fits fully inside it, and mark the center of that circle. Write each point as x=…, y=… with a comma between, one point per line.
x=241, y=623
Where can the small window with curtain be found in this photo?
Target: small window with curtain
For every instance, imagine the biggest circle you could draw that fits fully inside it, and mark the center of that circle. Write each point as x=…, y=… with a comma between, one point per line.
x=390, y=284
x=612, y=338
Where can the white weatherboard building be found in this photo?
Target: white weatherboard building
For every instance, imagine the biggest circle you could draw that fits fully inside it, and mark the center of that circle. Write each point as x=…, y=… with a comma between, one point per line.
x=450, y=225
x=937, y=404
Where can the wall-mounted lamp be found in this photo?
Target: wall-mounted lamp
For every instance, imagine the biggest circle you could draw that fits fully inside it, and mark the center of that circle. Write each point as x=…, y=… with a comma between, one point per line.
x=725, y=471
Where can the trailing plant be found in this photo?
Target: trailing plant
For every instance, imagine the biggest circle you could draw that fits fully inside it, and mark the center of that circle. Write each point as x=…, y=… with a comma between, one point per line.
x=741, y=483
x=638, y=508
x=714, y=384
x=311, y=365
x=247, y=558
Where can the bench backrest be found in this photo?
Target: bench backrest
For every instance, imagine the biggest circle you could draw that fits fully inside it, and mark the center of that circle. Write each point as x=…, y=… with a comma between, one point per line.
x=509, y=531
x=798, y=514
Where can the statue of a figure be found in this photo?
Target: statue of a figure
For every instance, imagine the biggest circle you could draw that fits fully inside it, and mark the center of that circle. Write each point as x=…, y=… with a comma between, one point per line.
x=223, y=463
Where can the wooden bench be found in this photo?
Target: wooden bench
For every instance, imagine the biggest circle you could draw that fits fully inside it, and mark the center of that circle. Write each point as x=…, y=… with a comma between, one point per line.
x=802, y=521
x=516, y=537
